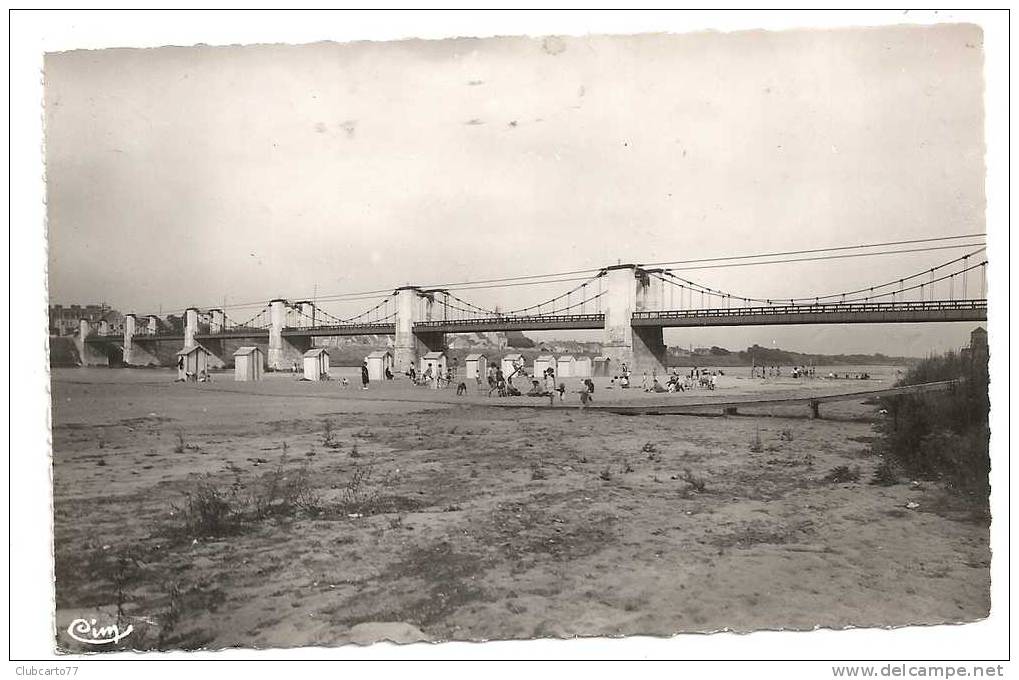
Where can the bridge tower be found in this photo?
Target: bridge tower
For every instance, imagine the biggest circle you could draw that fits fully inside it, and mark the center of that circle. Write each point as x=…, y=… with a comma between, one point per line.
x=283, y=351
x=628, y=288
x=90, y=354
x=217, y=321
x=414, y=305
x=134, y=353
x=190, y=326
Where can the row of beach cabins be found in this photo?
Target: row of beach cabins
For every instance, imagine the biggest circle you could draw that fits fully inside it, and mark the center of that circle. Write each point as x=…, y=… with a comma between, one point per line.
x=249, y=364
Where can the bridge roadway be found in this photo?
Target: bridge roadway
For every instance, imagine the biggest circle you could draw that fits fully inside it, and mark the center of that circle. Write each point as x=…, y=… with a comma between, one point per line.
x=770, y=315
x=822, y=313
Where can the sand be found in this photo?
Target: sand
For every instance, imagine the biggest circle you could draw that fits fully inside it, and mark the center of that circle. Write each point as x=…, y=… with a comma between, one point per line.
x=483, y=522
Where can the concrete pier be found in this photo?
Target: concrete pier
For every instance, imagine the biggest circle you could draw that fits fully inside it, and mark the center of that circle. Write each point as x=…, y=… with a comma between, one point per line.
x=414, y=305
x=217, y=321
x=638, y=348
x=153, y=327
x=190, y=326
x=135, y=354
x=283, y=352
x=305, y=313
x=277, y=319
x=90, y=354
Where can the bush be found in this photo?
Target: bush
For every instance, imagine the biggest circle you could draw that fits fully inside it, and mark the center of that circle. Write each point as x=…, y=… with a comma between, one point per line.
x=209, y=511
x=884, y=474
x=942, y=435
x=756, y=446
x=696, y=483
x=841, y=474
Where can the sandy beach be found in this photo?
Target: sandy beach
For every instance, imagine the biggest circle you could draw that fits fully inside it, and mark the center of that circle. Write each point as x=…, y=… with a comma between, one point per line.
x=444, y=518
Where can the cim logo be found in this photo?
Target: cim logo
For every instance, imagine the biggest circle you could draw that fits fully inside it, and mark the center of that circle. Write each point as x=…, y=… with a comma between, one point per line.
x=85, y=630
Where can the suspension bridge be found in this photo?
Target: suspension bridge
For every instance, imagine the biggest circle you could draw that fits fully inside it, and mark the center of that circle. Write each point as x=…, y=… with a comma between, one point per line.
x=630, y=303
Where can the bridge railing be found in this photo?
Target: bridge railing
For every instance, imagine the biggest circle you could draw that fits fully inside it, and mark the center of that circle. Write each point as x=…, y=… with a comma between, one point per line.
x=821, y=308
x=513, y=320
x=235, y=330
x=367, y=327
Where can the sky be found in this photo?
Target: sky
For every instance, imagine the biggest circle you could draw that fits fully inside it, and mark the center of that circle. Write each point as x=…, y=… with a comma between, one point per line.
x=200, y=176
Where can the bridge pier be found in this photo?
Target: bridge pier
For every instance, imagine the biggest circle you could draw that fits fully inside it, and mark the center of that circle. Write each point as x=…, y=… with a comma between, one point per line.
x=283, y=352
x=153, y=327
x=190, y=326
x=305, y=314
x=89, y=353
x=639, y=348
x=134, y=353
x=413, y=305
x=217, y=321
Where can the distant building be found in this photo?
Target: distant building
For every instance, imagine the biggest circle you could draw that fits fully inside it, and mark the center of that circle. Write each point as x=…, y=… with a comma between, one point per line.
x=978, y=339
x=64, y=319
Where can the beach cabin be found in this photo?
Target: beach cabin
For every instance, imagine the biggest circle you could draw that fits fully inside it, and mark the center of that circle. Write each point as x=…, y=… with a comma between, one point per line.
x=248, y=363
x=600, y=366
x=316, y=364
x=192, y=361
x=378, y=362
x=543, y=362
x=565, y=366
x=510, y=363
x=476, y=366
x=436, y=361
x=582, y=368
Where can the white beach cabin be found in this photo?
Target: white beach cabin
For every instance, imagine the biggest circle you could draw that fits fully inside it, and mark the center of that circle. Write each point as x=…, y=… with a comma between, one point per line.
x=543, y=362
x=248, y=364
x=192, y=361
x=316, y=364
x=378, y=362
x=582, y=367
x=476, y=366
x=436, y=361
x=565, y=366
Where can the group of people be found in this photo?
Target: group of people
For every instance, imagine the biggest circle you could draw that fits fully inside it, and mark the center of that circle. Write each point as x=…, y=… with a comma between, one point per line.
x=776, y=371
x=433, y=376
x=674, y=382
x=498, y=383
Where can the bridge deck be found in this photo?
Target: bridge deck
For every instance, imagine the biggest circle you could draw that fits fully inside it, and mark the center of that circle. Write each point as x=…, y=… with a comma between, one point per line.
x=548, y=322
x=775, y=315
x=342, y=330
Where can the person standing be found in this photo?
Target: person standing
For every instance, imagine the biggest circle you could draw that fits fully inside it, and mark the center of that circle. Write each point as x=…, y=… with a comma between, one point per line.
x=364, y=375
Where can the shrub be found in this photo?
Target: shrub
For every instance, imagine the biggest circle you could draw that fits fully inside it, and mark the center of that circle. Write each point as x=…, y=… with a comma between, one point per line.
x=755, y=444
x=884, y=474
x=942, y=435
x=696, y=483
x=208, y=511
x=281, y=493
x=841, y=474
x=328, y=436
